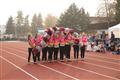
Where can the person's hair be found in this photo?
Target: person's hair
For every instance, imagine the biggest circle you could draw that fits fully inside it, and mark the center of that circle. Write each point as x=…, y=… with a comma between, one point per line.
x=54, y=28
x=36, y=35
x=45, y=39
x=29, y=36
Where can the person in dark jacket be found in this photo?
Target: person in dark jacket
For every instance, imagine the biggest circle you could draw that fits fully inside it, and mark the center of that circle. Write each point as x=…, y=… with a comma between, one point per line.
x=112, y=37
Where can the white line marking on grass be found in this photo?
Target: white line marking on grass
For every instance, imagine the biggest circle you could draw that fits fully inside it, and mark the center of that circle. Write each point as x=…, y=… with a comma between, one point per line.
x=19, y=68
x=46, y=67
x=83, y=62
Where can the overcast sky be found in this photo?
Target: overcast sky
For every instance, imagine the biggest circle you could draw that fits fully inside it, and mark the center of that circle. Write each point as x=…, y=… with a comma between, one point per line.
x=54, y=7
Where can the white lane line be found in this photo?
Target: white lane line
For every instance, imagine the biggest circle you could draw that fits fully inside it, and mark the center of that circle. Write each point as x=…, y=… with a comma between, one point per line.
x=83, y=62
x=104, y=61
x=46, y=67
x=103, y=57
x=95, y=55
x=90, y=71
x=101, y=66
x=19, y=68
x=87, y=70
x=87, y=58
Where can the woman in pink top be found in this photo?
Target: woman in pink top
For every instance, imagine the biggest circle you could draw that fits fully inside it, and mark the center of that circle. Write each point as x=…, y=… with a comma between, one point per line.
x=50, y=44
x=37, y=44
x=68, y=40
x=62, y=44
x=56, y=45
x=30, y=48
x=83, y=45
x=76, y=47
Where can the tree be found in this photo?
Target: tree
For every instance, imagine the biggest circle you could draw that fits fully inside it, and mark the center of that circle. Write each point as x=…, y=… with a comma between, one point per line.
x=117, y=11
x=39, y=20
x=74, y=17
x=107, y=9
x=26, y=26
x=50, y=21
x=10, y=28
x=34, y=25
x=19, y=21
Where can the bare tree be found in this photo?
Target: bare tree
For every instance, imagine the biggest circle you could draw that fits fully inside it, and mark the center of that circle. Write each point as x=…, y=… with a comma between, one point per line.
x=50, y=21
x=107, y=9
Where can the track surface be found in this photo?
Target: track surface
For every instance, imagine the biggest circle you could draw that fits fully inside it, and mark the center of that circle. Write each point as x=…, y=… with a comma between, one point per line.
x=96, y=66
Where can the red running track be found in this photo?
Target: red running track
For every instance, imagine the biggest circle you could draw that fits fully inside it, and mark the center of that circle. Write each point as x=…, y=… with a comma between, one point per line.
x=13, y=65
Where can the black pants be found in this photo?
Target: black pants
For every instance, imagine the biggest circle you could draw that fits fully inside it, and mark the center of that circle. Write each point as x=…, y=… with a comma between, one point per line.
x=44, y=53
x=76, y=51
x=62, y=52
x=29, y=55
x=82, y=51
x=56, y=53
x=50, y=53
x=67, y=49
x=37, y=56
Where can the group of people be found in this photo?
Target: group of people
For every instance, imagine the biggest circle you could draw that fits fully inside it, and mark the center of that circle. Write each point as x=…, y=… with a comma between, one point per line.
x=56, y=44
x=102, y=43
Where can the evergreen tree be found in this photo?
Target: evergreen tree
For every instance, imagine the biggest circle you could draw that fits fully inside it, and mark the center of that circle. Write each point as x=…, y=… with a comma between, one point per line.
x=74, y=17
x=19, y=24
x=26, y=27
x=34, y=25
x=10, y=28
x=39, y=20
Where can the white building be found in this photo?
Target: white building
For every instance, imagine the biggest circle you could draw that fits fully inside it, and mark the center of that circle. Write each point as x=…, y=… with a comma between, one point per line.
x=2, y=29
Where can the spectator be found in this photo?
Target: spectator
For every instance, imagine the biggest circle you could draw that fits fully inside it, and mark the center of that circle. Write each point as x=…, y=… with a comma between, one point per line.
x=112, y=37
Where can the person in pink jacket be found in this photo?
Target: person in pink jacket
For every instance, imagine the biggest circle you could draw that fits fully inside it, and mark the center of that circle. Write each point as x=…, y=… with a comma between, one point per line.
x=68, y=41
x=37, y=39
x=83, y=45
x=62, y=44
x=50, y=44
x=56, y=45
